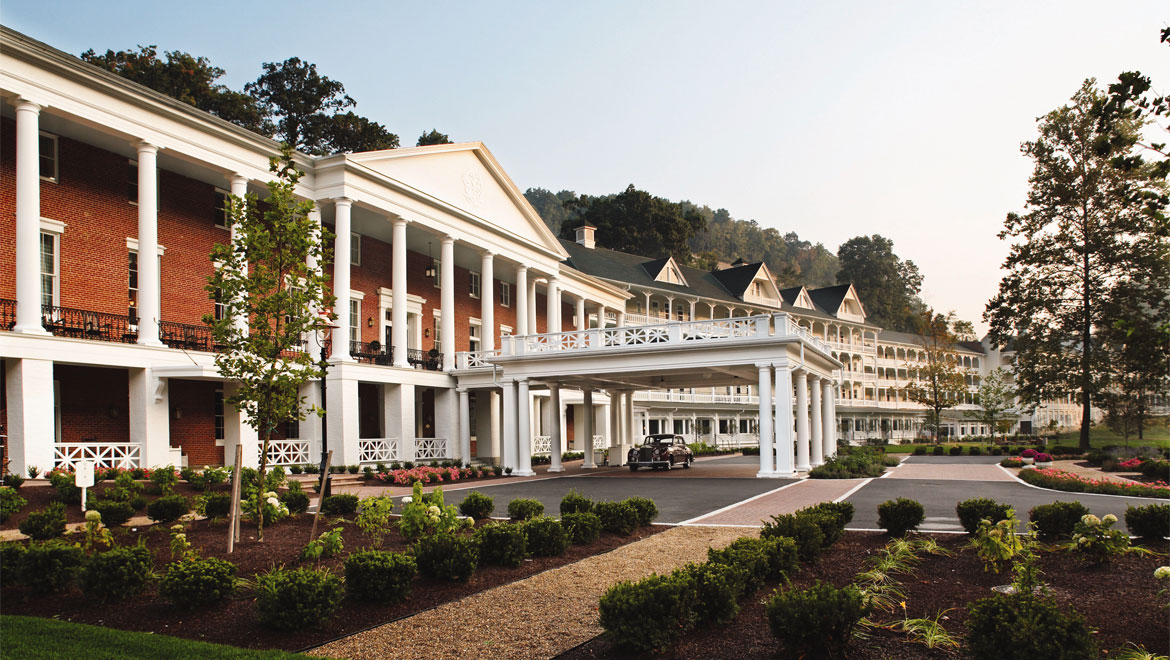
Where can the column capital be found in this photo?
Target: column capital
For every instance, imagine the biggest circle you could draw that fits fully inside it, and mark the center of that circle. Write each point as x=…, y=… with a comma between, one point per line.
x=342, y=201
x=236, y=178
x=447, y=240
x=781, y=363
x=462, y=390
x=487, y=254
x=521, y=268
x=145, y=147
x=24, y=105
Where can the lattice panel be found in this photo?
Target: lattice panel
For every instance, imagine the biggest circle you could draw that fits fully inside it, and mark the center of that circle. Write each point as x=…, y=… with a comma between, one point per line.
x=103, y=454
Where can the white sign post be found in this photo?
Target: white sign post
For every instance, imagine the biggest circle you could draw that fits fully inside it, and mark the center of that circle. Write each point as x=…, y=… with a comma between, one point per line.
x=83, y=478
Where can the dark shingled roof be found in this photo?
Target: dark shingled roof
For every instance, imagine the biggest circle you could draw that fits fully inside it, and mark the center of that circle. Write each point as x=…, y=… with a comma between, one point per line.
x=829, y=298
x=737, y=278
x=654, y=267
x=789, y=295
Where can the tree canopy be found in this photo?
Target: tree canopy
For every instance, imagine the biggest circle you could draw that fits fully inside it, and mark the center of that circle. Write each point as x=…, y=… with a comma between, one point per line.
x=433, y=137
x=888, y=286
x=939, y=384
x=638, y=222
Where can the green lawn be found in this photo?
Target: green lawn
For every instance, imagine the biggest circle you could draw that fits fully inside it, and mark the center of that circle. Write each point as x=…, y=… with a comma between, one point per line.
x=1156, y=435
x=33, y=638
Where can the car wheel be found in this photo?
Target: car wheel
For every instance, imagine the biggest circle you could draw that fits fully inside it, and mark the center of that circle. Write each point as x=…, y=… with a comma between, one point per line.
x=687, y=465
x=633, y=468
x=670, y=463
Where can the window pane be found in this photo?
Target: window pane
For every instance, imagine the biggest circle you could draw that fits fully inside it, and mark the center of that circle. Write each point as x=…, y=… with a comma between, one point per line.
x=48, y=268
x=355, y=310
x=132, y=182
x=48, y=149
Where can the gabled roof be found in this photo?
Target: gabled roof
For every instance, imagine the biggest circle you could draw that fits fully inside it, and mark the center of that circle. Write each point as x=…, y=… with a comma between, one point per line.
x=798, y=297
x=829, y=298
x=660, y=270
x=737, y=279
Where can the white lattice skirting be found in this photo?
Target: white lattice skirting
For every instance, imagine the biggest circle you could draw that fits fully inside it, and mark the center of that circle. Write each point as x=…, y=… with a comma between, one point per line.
x=377, y=450
x=286, y=452
x=103, y=454
x=426, y=449
x=542, y=444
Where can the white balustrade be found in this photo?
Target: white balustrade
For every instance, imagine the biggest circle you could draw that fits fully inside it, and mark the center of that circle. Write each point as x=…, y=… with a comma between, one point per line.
x=377, y=450
x=475, y=359
x=102, y=454
x=542, y=444
x=426, y=449
x=286, y=452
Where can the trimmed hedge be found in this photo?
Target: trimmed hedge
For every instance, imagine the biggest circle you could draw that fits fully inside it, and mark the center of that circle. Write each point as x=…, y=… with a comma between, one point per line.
x=818, y=621
x=574, y=502
x=582, y=528
x=900, y=515
x=523, y=508
x=972, y=511
x=1150, y=522
x=477, y=505
x=502, y=544
x=445, y=556
x=118, y=573
x=1058, y=519
x=339, y=505
x=645, y=507
x=45, y=524
x=199, y=582
x=1026, y=627
x=293, y=599
x=617, y=517
x=546, y=537
x=380, y=576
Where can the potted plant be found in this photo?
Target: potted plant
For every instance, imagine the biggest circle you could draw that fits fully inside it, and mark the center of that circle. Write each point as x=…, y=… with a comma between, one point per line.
x=1028, y=455
x=1043, y=460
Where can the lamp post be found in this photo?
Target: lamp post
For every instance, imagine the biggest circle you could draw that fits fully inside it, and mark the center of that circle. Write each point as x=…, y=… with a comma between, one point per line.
x=330, y=325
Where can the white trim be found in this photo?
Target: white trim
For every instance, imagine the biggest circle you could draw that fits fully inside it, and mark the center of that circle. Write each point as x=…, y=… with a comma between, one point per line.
x=474, y=284
x=221, y=212
x=132, y=244
x=354, y=294
x=355, y=245
x=56, y=178
x=53, y=226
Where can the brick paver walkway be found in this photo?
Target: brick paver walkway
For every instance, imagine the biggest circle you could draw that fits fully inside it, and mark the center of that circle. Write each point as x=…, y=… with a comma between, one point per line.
x=787, y=499
x=949, y=472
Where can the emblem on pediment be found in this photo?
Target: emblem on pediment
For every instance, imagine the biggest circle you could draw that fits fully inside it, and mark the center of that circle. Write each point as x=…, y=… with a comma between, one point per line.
x=473, y=188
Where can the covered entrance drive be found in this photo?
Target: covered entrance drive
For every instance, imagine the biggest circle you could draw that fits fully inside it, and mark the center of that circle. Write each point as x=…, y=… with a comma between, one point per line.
x=793, y=371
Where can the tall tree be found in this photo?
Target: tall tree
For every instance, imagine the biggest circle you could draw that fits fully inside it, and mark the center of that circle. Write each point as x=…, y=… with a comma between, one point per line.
x=263, y=277
x=939, y=384
x=1085, y=237
x=888, y=285
x=636, y=221
x=554, y=208
x=184, y=77
x=434, y=137
x=350, y=133
x=995, y=403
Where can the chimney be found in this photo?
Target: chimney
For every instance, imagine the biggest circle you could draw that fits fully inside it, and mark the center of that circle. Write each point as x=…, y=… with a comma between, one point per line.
x=585, y=235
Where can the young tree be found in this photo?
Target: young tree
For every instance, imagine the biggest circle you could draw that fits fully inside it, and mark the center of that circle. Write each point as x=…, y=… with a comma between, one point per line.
x=434, y=137
x=940, y=384
x=1085, y=234
x=888, y=285
x=996, y=403
x=264, y=276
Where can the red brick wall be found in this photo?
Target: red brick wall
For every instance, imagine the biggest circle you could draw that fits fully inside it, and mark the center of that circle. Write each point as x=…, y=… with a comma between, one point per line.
x=88, y=395
x=195, y=430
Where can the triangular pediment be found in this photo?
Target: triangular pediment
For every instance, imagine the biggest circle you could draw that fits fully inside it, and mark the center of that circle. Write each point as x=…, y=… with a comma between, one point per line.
x=665, y=270
x=468, y=177
x=851, y=307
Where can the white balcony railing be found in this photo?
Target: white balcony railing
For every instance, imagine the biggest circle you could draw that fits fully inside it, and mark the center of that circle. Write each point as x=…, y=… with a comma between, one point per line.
x=102, y=454
x=377, y=450
x=542, y=444
x=427, y=449
x=286, y=452
x=695, y=397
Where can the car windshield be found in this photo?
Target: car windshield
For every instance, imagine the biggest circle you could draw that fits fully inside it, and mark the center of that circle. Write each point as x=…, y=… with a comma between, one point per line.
x=658, y=439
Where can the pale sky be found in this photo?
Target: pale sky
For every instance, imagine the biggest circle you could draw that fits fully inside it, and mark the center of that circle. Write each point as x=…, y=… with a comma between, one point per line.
x=830, y=119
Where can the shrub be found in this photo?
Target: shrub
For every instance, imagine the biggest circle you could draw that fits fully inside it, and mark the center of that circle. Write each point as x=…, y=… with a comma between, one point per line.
x=445, y=556
x=1012, y=462
x=427, y=514
x=574, y=502
x=645, y=507
x=1095, y=539
x=972, y=511
x=45, y=524
x=1057, y=479
x=67, y=490
x=716, y=588
x=523, y=508
x=1149, y=522
x=118, y=573
x=802, y=529
x=502, y=544
x=113, y=513
x=997, y=543
x=380, y=576
x=900, y=516
x=10, y=502
x=329, y=544
x=296, y=500
x=760, y=559
x=920, y=451
x=617, y=517
x=198, y=582
x=168, y=508
x=1155, y=469
x=165, y=478
x=296, y=469
x=861, y=462
x=33, y=471
x=817, y=621
x=938, y=450
x=955, y=451
x=11, y=556
x=337, y=505
x=1029, y=453
x=213, y=505
x=1023, y=627
x=49, y=566
x=477, y=505
x=295, y=599
x=546, y=537
x=13, y=480
x=1056, y=520
x=352, y=469
x=582, y=528
x=647, y=614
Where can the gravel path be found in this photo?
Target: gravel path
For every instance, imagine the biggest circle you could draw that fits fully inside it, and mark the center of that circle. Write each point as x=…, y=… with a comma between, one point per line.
x=538, y=617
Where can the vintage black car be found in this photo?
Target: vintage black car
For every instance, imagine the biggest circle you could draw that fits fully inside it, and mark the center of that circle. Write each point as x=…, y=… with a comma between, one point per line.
x=662, y=450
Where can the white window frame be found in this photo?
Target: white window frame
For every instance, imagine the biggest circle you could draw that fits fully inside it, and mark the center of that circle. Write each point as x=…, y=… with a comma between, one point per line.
x=474, y=334
x=506, y=330
x=437, y=280
x=474, y=284
x=56, y=178
x=53, y=229
x=437, y=334
x=355, y=319
x=219, y=418
x=222, y=197
x=355, y=248
x=505, y=294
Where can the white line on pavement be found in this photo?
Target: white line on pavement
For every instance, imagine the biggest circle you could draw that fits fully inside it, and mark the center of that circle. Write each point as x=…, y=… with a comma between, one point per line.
x=735, y=504
x=853, y=490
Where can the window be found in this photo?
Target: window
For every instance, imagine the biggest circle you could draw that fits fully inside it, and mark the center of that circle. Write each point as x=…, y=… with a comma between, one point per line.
x=355, y=249
x=757, y=289
x=132, y=182
x=438, y=266
x=355, y=317
x=220, y=307
x=221, y=217
x=48, y=149
x=474, y=285
x=473, y=331
x=505, y=294
x=133, y=285
x=219, y=424
x=49, y=265
x=292, y=429
x=438, y=331
x=506, y=331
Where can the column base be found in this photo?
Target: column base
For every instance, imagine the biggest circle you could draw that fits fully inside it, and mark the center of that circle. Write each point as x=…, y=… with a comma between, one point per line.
x=30, y=329
x=766, y=475
x=803, y=468
x=589, y=467
x=151, y=342
x=556, y=469
x=523, y=473
x=784, y=475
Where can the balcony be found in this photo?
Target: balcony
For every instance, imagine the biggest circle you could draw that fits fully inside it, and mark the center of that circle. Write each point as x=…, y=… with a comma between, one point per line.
x=85, y=324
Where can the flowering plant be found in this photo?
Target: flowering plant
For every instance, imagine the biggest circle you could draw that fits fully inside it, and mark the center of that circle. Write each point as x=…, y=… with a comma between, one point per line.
x=1131, y=464
x=1095, y=539
x=423, y=515
x=1029, y=453
x=426, y=474
x=1061, y=480
x=1043, y=458
x=95, y=532
x=269, y=504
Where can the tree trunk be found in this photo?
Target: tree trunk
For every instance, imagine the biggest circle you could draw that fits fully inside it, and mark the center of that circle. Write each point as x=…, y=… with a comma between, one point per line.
x=260, y=486
x=1086, y=351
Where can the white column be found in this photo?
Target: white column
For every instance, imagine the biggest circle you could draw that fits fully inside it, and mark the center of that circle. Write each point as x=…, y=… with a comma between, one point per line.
x=582, y=318
x=446, y=407
x=148, y=294
x=628, y=408
x=31, y=433
x=553, y=312
x=784, y=458
x=601, y=315
x=398, y=285
x=237, y=431
x=524, y=426
x=150, y=417
x=830, y=421
x=587, y=427
x=399, y=407
x=510, y=424
x=615, y=411
x=447, y=301
x=802, y=426
x=554, y=418
x=341, y=273
x=621, y=318
x=533, y=326
x=767, y=453
x=28, y=227
x=487, y=302
x=239, y=188
x=818, y=443
x=670, y=308
x=692, y=316
x=464, y=426
x=521, y=301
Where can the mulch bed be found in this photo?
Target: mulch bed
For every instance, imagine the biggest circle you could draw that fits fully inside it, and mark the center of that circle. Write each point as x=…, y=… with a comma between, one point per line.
x=40, y=495
x=234, y=622
x=1119, y=600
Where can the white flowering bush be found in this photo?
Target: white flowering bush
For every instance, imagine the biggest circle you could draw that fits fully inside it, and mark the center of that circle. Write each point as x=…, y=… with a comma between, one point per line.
x=271, y=506
x=1095, y=540
x=424, y=515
